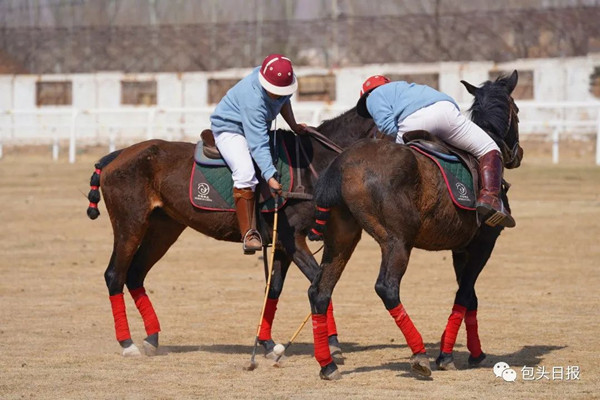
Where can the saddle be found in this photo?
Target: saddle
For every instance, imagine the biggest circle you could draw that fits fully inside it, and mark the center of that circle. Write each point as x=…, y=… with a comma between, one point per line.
x=455, y=164
x=209, y=149
x=211, y=184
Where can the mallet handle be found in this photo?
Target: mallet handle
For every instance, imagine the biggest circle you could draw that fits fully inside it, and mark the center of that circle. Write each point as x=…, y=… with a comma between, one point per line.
x=272, y=260
x=289, y=343
x=300, y=328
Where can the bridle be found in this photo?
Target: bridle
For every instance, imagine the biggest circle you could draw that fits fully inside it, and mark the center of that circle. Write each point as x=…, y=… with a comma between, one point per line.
x=511, y=152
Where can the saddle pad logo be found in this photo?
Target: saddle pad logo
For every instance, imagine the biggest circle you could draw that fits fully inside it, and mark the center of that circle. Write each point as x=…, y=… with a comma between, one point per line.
x=202, y=193
x=463, y=193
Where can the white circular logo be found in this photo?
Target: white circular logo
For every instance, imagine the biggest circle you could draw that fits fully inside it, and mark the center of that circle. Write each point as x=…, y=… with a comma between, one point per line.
x=462, y=190
x=203, y=189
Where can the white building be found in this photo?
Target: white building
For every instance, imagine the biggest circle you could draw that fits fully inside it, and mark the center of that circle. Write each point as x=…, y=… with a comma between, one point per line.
x=96, y=108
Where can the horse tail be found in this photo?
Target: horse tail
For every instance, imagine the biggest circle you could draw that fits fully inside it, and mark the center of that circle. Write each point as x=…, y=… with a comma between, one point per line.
x=328, y=193
x=94, y=194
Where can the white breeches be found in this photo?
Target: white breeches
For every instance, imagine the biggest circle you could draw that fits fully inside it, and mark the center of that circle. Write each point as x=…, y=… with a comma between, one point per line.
x=444, y=120
x=234, y=149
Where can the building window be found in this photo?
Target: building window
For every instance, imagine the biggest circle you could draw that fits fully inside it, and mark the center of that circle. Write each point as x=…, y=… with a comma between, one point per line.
x=54, y=93
x=316, y=88
x=217, y=89
x=431, y=80
x=595, y=82
x=138, y=93
x=524, y=89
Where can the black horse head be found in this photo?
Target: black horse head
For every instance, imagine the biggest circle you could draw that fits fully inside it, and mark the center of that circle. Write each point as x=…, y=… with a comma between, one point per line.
x=495, y=111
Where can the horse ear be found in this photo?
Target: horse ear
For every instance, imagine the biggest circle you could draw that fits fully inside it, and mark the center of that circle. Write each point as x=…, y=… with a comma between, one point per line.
x=470, y=88
x=512, y=80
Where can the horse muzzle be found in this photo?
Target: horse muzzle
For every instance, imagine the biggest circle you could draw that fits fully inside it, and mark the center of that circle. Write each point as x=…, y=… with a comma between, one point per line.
x=516, y=157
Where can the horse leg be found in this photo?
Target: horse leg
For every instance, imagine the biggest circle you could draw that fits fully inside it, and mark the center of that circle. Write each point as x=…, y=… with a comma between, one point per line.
x=281, y=263
x=305, y=260
x=162, y=232
x=468, y=264
x=394, y=260
x=115, y=275
x=337, y=251
x=476, y=355
x=130, y=221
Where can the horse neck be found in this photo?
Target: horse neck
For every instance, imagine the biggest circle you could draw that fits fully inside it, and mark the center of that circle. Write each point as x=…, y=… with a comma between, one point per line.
x=346, y=129
x=343, y=131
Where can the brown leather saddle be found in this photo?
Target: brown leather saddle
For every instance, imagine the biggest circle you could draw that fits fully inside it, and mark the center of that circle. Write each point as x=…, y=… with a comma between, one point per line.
x=431, y=144
x=210, y=148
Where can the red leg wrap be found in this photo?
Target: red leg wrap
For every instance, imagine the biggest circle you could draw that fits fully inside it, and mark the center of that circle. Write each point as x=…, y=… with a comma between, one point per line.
x=320, y=337
x=331, y=328
x=118, y=309
x=410, y=332
x=454, y=320
x=143, y=304
x=473, y=343
x=267, y=321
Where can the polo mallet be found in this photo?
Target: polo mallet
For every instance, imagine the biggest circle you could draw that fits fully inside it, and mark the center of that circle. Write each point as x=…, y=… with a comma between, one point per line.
x=289, y=343
x=251, y=366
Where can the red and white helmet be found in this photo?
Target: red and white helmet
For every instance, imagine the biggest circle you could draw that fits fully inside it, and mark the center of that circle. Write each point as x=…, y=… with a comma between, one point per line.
x=277, y=75
x=371, y=83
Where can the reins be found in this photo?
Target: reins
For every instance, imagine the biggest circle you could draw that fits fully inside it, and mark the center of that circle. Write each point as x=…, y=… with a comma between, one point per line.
x=511, y=152
x=325, y=141
x=328, y=143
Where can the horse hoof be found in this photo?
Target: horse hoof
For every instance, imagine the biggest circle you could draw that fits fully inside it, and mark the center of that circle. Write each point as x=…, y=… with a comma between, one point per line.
x=269, y=346
x=419, y=364
x=330, y=372
x=336, y=354
x=445, y=362
x=149, y=349
x=131, y=351
x=447, y=367
x=475, y=362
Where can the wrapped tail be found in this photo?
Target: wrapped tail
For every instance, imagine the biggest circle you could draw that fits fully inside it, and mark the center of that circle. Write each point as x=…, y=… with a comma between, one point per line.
x=94, y=194
x=328, y=193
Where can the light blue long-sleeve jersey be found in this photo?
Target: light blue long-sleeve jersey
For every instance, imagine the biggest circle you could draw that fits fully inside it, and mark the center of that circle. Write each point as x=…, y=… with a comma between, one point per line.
x=391, y=103
x=248, y=110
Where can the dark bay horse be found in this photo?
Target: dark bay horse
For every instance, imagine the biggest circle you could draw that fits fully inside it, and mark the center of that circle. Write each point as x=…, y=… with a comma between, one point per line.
x=399, y=197
x=146, y=191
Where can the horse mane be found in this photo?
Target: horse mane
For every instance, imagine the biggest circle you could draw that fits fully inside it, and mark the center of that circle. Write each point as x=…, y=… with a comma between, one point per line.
x=339, y=122
x=490, y=108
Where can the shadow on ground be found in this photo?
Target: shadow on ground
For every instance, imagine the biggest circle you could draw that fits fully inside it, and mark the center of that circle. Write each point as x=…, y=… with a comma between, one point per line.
x=530, y=356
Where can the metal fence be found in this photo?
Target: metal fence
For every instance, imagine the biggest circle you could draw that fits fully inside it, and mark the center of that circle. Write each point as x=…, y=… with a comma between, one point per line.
x=122, y=126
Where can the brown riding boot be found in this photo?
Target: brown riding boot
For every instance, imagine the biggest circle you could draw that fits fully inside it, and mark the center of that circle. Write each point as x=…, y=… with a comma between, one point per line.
x=489, y=204
x=244, y=208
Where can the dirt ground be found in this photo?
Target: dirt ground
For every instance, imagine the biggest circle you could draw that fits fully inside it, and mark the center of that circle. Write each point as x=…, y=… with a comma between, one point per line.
x=538, y=301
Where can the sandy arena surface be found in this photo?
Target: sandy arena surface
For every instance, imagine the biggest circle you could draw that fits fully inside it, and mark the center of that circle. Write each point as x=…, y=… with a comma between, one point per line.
x=538, y=301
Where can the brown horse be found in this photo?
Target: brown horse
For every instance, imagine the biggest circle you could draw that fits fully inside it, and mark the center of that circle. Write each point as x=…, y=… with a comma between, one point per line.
x=146, y=189
x=399, y=197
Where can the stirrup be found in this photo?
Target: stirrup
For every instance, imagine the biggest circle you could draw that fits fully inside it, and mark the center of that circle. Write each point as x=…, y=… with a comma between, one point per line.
x=251, y=250
x=494, y=217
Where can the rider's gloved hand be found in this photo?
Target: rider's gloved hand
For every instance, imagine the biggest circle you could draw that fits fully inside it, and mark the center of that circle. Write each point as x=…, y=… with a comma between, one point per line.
x=303, y=129
x=275, y=186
